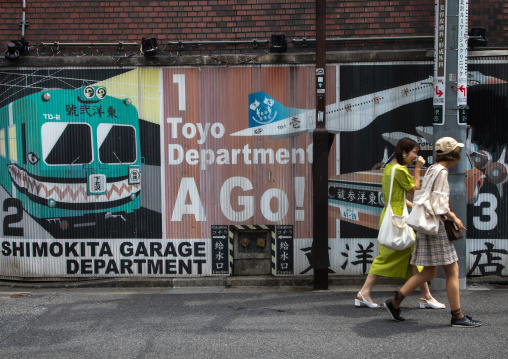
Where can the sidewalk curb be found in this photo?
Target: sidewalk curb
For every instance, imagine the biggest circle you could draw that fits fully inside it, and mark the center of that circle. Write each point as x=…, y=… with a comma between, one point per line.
x=227, y=282
x=180, y=282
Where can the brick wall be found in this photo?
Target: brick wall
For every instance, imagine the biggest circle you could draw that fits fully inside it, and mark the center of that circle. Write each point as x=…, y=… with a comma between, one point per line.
x=221, y=20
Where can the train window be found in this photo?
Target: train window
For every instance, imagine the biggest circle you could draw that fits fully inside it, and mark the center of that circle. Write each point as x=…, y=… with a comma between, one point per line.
x=117, y=144
x=3, y=149
x=13, y=146
x=66, y=143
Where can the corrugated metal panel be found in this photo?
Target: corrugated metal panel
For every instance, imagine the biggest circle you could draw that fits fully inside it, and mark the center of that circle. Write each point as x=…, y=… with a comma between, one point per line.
x=390, y=99
x=211, y=155
x=78, y=140
x=233, y=179
x=353, y=256
x=487, y=257
x=69, y=136
x=488, y=110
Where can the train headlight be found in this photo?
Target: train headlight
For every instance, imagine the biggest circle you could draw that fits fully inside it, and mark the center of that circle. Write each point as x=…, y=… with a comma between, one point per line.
x=51, y=203
x=46, y=97
x=100, y=92
x=89, y=92
x=133, y=196
x=127, y=102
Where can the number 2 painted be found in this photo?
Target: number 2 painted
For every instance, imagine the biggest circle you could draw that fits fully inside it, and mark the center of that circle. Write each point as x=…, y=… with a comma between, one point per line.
x=13, y=218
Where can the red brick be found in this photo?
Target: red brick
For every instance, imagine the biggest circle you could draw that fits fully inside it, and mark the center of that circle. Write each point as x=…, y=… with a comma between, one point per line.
x=244, y=19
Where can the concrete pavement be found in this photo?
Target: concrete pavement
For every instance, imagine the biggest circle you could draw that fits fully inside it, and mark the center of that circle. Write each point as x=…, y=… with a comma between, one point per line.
x=241, y=322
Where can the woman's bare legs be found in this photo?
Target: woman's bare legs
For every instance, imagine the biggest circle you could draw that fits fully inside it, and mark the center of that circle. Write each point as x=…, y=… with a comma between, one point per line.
x=367, y=286
x=452, y=289
x=417, y=280
x=372, y=279
x=424, y=289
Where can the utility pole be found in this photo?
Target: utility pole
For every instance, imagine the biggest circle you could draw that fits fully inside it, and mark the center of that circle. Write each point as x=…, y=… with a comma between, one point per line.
x=320, y=140
x=450, y=108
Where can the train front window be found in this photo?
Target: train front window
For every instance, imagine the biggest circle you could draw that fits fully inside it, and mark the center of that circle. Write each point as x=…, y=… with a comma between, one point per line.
x=13, y=144
x=66, y=143
x=117, y=143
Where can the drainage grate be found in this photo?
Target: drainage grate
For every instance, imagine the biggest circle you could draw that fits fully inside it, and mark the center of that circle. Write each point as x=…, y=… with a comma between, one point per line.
x=19, y=295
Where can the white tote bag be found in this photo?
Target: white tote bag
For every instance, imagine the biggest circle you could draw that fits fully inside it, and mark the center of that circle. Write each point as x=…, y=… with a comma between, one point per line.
x=394, y=233
x=422, y=217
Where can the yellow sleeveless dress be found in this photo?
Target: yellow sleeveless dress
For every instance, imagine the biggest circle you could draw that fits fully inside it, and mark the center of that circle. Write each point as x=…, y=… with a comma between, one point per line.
x=391, y=263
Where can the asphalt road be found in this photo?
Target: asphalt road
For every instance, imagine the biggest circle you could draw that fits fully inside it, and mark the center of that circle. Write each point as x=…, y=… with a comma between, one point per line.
x=266, y=322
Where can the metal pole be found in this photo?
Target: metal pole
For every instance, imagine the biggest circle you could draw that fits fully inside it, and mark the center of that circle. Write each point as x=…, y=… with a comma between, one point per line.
x=320, y=159
x=23, y=22
x=450, y=105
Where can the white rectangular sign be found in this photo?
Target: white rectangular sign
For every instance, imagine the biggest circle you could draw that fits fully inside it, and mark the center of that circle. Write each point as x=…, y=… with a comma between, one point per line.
x=462, y=54
x=439, y=53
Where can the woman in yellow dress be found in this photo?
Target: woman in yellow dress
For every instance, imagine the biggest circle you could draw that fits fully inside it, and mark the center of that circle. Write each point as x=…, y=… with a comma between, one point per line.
x=391, y=263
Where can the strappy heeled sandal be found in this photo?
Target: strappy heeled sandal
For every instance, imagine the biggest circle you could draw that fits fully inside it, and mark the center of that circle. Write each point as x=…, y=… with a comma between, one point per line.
x=424, y=303
x=364, y=302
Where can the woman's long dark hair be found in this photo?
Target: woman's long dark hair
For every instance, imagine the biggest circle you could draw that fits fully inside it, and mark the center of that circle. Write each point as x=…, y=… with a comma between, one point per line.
x=405, y=144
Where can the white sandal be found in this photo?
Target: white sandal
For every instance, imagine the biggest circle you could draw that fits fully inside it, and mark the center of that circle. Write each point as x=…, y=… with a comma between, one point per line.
x=424, y=303
x=364, y=303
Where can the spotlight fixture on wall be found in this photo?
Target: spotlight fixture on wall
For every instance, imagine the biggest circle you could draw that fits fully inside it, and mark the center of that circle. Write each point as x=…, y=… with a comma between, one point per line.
x=279, y=43
x=15, y=49
x=149, y=46
x=477, y=37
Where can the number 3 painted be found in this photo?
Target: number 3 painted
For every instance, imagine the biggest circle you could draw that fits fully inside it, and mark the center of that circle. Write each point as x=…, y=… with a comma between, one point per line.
x=487, y=211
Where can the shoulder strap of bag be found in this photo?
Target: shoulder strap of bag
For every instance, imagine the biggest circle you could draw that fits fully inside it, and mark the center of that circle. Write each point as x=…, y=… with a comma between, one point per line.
x=404, y=211
x=430, y=184
x=435, y=178
x=391, y=183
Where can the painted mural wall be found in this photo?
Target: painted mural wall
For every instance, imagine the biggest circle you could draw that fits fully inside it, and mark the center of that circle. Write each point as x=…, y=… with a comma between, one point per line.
x=184, y=171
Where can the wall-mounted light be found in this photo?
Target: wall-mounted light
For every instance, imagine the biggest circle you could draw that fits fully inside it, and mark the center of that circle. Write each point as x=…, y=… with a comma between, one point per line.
x=149, y=46
x=15, y=49
x=477, y=37
x=278, y=43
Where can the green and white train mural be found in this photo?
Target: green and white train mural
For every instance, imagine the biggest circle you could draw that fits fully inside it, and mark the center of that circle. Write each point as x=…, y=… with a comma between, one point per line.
x=71, y=154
